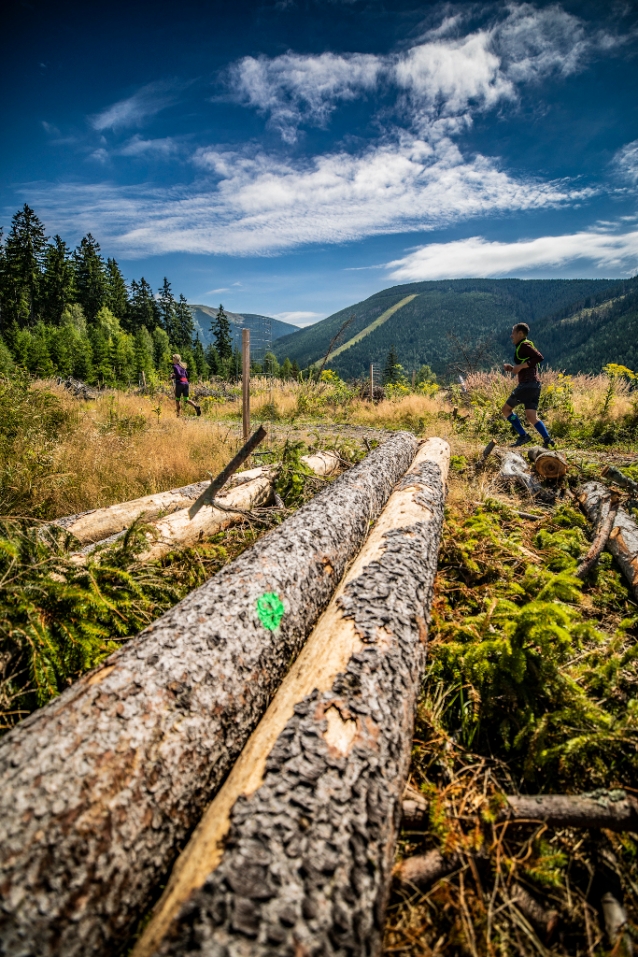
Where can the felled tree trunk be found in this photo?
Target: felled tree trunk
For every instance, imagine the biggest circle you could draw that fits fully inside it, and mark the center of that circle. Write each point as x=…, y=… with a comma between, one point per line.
x=100, y=789
x=296, y=851
x=179, y=529
x=548, y=464
x=101, y=523
x=594, y=500
x=614, y=810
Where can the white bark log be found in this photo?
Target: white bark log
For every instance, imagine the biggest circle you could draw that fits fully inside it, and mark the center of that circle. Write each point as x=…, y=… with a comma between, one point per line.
x=342, y=722
x=594, y=500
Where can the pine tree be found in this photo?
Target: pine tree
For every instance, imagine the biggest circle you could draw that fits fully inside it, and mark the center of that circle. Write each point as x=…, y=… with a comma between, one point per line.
x=142, y=309
x=90, y=277
x=23, y=259
x=57, y=282
x=295, y=370
x=212, y=360
x=220, y=327
x=200, y=359
x=391, y=370
x=116, y=291
x=166, y=305
x=184, y=326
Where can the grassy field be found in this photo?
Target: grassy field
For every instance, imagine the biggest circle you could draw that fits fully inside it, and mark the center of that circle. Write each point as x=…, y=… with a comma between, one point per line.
x=532, y=677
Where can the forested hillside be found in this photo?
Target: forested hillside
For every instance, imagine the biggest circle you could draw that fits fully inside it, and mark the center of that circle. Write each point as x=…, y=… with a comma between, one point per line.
x=429, y=326
x=204, y=315
x=70, y=312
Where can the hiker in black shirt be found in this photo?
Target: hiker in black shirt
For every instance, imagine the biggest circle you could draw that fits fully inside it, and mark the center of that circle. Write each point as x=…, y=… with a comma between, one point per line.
x=527, y=358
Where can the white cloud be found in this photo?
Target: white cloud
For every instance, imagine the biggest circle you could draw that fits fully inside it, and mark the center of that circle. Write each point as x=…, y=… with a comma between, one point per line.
x=262, y=205
x=626, y=162
x=447, y=75
x=294, y=87
x=132, y=111
x=299, y=318
x=476, y=257
x=136, y=146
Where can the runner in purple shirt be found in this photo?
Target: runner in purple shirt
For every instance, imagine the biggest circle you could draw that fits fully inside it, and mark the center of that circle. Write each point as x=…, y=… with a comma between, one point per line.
x=180, y=378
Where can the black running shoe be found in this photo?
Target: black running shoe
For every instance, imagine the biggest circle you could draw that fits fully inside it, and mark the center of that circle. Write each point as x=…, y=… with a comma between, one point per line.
x=549, y=443
x=521, y=440
x=198, y=409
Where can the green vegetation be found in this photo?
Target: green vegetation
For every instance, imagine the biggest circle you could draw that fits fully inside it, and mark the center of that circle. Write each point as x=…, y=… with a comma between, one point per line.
x=427, y=329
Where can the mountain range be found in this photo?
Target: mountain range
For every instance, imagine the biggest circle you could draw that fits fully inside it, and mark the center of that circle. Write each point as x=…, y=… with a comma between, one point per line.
x=261, y=327
x=578, y=324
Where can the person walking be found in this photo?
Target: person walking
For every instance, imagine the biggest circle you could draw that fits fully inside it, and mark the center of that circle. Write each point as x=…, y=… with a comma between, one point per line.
x=180, y=378
x=527, y=358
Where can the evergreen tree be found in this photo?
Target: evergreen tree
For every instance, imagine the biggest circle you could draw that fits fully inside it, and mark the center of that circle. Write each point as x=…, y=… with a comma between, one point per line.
x=392, y=371
x=142, y=309
x=200, y=359
x=57, y=281
x=220, y=327
x=295, y=370
x=212, y=360
x=184, y=326
x=116, y=291
x=166, y=305
x=23, y=259
x=285, y=371
x=90, y=277
x=144, y=353
x=162, y=351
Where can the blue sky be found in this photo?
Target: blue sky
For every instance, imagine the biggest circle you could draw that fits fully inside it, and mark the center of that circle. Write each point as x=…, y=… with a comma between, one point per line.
x=293, y=156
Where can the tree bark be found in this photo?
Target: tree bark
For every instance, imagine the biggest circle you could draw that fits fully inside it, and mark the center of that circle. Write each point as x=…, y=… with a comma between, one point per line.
x=424, y=870
x=100, y=523
x=601, y=537
x=295, y=854
x=614, y=810
x=594, y=500
x=515, y=471
x=101, y=788
x=548, y=464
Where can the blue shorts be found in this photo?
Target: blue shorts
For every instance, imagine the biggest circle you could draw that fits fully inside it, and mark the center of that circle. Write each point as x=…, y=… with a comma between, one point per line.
x=527, y=394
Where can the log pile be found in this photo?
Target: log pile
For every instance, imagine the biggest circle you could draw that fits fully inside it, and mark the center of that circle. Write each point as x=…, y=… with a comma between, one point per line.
x=595, y=500
x=100, y=789
x=295, y=854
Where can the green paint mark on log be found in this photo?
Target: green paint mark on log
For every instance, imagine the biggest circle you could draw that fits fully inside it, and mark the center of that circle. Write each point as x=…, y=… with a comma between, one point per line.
x=373, y=325
x=270, y=610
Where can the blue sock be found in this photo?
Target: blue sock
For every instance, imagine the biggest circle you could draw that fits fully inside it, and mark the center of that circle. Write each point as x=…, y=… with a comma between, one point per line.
x=540, y=427
x=516, y=423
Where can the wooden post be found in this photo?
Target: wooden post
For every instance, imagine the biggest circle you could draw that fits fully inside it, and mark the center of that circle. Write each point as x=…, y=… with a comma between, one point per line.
x=100, y=789
x=371, y=382
x=298, y=846
x=245, y=380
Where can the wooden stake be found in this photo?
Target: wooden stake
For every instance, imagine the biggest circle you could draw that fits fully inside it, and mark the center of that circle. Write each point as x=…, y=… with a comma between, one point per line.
x=298, y=846
x=245, y=381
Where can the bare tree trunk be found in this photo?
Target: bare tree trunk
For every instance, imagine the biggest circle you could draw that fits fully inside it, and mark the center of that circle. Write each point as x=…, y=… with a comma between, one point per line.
x=101, y=523
x=614, y=810
x=101, y=788
x=295, y=854
x=594, y=500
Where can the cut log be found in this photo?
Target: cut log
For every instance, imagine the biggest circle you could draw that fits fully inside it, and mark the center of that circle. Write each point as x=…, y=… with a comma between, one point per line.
x=414, y=810
x=101, y=788
x=424, y=870
x=614, y=810
x=179, y=529
x=515, y=471
x=323, y=463
x=615, y=475
x=296, y=851
x=601, y=537
x=101, y=523
x=548, y=464
x=595, y=499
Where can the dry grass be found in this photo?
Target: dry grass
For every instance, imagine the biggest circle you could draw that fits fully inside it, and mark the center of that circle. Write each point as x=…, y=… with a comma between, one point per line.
x=120, y=448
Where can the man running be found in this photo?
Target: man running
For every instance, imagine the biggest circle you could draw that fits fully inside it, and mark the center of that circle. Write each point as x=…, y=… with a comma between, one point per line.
x=528, y=391
x=180, y=377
